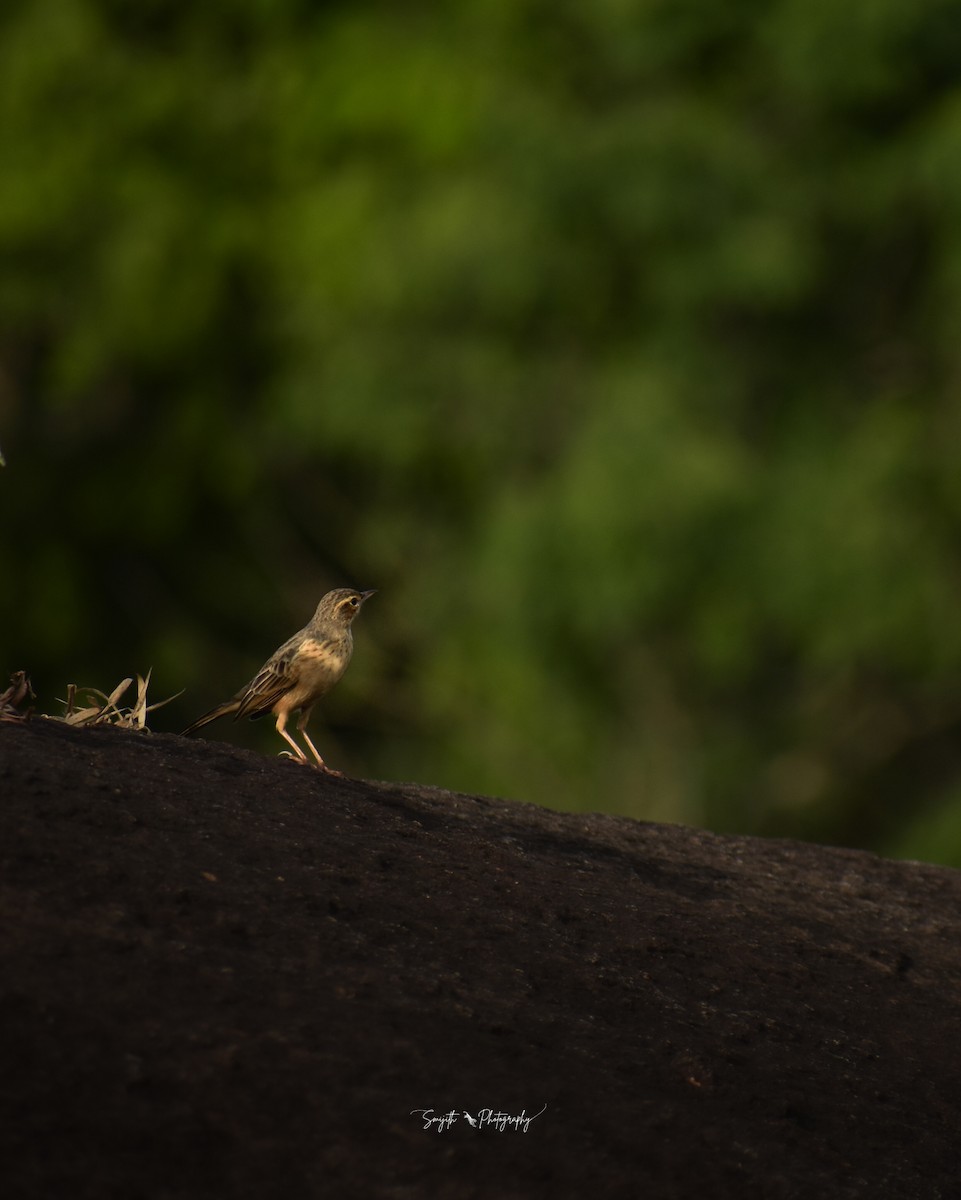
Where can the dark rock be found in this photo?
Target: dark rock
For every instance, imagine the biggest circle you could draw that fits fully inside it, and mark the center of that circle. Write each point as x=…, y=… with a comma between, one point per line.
x=229, y=976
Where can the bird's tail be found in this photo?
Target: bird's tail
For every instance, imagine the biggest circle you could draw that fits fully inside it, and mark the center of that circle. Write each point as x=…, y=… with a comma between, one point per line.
x=222, y=710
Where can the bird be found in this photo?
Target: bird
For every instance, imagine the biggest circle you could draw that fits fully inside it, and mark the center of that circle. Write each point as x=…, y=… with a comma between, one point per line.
x=296, y=675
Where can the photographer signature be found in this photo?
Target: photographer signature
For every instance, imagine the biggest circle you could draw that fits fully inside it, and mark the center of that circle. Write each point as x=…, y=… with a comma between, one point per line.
x=486, y=1118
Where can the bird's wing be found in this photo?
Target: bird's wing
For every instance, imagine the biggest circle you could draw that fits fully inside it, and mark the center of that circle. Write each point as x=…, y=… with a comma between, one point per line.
x=273, y=680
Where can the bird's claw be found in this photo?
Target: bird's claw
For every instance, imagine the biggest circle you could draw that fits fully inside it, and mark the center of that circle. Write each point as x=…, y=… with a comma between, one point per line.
x=317, y=766
x=330, y=771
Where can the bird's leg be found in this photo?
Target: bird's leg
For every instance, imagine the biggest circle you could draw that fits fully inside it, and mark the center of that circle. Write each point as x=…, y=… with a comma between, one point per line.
x=302, y=730
x=282, y=730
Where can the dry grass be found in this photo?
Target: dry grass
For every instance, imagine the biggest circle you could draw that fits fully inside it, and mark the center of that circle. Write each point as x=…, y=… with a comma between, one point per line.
x=12, y=701
x=88, y=706
x=83, y=706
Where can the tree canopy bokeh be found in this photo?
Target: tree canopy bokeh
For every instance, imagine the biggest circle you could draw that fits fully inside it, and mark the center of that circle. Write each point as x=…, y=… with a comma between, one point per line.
x=616, y=344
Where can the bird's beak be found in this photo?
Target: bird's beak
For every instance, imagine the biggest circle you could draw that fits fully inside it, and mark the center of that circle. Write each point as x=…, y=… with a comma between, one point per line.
x=366, y=595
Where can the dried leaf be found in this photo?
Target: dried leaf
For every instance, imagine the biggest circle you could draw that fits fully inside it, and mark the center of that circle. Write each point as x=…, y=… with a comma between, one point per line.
x=101, y=709
x=118, y=691
x=17, y=694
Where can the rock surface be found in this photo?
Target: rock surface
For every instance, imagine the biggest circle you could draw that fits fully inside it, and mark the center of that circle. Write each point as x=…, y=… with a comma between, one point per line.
x=230, y=976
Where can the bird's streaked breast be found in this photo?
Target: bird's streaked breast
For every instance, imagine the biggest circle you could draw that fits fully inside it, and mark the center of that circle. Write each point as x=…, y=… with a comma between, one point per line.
x=317, y=666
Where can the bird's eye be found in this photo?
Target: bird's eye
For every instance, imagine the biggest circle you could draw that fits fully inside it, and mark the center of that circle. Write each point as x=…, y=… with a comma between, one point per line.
x=353, y=602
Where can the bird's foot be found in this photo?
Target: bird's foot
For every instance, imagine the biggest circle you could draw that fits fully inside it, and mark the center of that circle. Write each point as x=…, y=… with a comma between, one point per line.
x=320, y=765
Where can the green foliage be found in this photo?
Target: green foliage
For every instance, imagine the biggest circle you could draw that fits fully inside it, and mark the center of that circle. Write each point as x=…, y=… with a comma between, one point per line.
x=613, y=343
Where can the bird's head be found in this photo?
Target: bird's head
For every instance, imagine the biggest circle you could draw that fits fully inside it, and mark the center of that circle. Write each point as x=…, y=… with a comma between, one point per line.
x=341, y=606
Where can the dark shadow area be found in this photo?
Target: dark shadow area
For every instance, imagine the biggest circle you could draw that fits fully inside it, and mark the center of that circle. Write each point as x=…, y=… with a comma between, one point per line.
x=230, y=976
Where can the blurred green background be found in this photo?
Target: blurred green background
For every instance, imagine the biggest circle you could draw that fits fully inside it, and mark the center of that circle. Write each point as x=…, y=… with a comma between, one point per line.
x=617, y=344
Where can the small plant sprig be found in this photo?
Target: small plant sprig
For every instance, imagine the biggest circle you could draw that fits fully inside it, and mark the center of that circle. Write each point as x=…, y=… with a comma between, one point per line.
x=88, y=706
x=15, y=696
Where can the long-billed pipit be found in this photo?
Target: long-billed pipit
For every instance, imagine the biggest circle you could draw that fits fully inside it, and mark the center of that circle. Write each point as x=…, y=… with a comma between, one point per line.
x=300, y=672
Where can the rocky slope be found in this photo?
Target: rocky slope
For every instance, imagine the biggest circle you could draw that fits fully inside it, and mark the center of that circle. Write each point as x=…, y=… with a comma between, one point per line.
x=230, y=976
